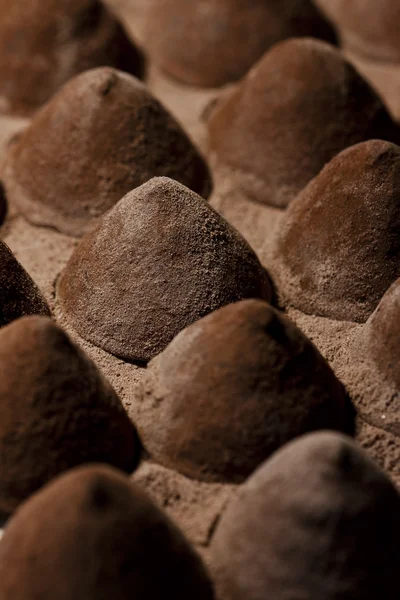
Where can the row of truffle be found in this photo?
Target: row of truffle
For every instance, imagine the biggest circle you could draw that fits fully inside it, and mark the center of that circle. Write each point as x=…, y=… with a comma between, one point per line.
x=51, y=42
x=44, y=43
x=226, y=389
x=318, y=520
x=104, y=134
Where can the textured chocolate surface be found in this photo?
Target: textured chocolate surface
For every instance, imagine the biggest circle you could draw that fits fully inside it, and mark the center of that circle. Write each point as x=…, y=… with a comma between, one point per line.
x=167, y=259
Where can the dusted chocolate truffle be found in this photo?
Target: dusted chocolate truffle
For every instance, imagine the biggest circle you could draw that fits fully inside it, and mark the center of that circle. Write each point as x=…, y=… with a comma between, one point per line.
x=43, y=43
x=231, y=389
x=338, y=248
x=383, y=333
x=101, y=136
x=19, y=295
x=92, y=535
x=367, y=27
x=299, y=106
x=212, y=42
x=318, y=520
x=56, y=411
x=159, y=260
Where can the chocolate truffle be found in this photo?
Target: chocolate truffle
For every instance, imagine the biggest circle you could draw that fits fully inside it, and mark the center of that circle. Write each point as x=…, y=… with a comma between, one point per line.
x=222, y=39
x=101, y=136
x=56, y=411
x=299, y=106
x=43, y=43
x=383, y=334
x=318, y=520
x=19, y=295
x=367, y=28
x=92, y=535
x=231, y=389
x=338, y=248
x=159, y=260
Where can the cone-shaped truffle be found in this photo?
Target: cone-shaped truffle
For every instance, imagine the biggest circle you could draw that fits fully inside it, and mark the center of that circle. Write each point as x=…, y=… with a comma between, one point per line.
x=56, y=411
x=92, y=535
x=383, y=334
x=297, y=108
x=159, y=260
x=366, y=28
x=318, y=520
x=101, y=136
x=43, y=43
x=338, y=249
x=222, y=39
x=231, y=389
x=19, y=295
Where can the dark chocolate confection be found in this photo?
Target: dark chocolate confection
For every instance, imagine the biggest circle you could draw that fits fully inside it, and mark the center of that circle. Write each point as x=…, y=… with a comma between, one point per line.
x=43, y=43
x=101, y=136
x=56, y=411
x=367, y=27
x=318, y=520
x=338, y=248
x=92, y=535
x=19, y=295
x=159, y=260
x=212, y=42
x=231, y=389
x=299, y=106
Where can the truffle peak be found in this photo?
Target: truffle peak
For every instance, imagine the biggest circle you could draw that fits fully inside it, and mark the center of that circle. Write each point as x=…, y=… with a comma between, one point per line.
x=99, y=137
x=318, y=518
x=92, y=535
x=167, y=259
x=299, y=106
x=338, y=248
x=231, y=389
x=56, y=411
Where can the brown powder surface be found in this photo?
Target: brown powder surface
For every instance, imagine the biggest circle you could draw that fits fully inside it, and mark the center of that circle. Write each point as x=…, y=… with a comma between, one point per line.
x=197, y=506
